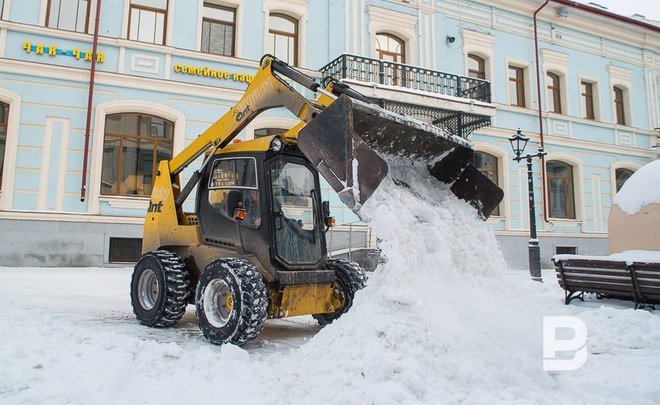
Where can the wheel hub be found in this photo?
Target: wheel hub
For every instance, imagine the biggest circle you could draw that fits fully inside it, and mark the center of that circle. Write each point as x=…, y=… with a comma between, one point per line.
x=218, y=303
x=148, y=289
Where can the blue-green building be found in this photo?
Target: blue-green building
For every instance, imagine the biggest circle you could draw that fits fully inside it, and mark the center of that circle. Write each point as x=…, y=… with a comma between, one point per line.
x=167, y=69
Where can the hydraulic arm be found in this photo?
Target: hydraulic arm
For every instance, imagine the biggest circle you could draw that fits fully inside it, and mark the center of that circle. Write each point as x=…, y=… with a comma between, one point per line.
x=266, y=91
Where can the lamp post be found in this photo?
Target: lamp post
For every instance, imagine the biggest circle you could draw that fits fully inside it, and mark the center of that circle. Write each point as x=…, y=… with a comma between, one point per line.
x=518, y=144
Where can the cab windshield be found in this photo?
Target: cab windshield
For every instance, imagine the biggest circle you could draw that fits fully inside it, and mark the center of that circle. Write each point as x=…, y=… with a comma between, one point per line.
x=297, y=233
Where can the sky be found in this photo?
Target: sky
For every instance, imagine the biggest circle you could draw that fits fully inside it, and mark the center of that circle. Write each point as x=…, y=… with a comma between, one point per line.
x=648, y=8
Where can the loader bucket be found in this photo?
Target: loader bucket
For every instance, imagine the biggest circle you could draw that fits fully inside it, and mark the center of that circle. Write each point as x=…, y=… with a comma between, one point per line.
x=351, y=143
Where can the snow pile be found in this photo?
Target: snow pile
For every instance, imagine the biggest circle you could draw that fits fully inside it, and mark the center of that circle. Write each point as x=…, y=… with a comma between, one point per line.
x=439, y=322
x=641, y=189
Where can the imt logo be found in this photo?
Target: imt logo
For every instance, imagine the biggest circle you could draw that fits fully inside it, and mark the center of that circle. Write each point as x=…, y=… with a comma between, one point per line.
x=575, y=345
x=155, y=207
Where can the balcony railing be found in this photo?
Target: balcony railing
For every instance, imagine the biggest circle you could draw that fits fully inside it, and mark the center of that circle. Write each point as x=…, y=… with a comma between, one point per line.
x=364, y=69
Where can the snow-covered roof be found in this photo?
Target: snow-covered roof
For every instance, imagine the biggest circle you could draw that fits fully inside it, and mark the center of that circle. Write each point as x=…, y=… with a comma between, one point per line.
x=641, y=189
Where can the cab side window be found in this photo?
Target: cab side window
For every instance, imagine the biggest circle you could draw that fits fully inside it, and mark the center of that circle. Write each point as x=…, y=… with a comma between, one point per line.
x=233, y=184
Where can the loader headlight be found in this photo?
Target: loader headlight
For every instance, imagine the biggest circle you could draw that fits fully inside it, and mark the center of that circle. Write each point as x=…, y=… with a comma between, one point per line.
x=276, y=145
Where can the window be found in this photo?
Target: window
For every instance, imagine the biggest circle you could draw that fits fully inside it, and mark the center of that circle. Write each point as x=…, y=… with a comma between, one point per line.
x=560, y=187
x=554, y=93
x=261, y=132
x=70, y=15
x=218, y=30
x=124, y=250
x=147, y=20
x=132, y=147
x=233, y=184
x=517, y=86
x=2, y=7
x=283, y=37
x=487, y=165
x=566, y=250
x=619, y=105
x=587, y=100
x=390, y=48
x=4, y=118
x=622, y=175
x=476, y=67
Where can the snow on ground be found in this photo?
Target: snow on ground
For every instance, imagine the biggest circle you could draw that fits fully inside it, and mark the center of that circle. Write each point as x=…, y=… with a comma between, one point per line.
x=640, y=189
x=443, y=321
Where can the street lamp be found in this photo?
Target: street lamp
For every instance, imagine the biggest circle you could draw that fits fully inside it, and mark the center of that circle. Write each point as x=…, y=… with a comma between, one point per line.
x=518, y=144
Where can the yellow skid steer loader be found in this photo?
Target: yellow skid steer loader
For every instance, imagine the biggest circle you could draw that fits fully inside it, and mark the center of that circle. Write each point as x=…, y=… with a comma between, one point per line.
x=255, y=247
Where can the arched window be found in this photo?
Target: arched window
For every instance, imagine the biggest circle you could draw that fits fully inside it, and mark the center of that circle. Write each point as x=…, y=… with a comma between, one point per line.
x=283, y=37
x=487, y=165
x=561, y=189
x=4, y=119
x=132, y=147
x=476, y=66
x=261, y=132
x=390, y=48
x=622, y=175
x=554, y=93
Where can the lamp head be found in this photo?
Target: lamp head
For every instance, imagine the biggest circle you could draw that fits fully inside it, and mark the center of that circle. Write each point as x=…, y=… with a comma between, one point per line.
x=518, y=143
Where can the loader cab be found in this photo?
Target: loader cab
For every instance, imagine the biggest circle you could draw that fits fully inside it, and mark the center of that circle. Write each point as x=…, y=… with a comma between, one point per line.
x=266, y=204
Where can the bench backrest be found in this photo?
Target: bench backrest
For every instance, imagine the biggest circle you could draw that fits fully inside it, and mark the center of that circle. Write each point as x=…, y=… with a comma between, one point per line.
x=601, y=276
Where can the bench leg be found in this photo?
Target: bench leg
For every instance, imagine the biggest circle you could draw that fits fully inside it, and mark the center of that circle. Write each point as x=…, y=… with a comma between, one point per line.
x=571, y=295
x=642, y=305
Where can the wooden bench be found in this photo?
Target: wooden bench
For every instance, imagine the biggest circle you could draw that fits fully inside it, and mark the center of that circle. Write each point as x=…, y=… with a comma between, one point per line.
x=635, y=281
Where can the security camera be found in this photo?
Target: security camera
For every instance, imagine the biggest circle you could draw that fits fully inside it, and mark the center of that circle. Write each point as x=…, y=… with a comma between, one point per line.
x=451, y=39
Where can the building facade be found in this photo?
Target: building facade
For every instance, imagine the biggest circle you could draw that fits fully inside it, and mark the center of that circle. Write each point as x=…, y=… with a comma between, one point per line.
x=167, y=69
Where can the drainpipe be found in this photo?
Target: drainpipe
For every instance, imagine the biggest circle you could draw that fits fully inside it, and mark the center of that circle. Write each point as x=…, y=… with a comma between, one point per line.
x=538, y=94
x=90, y=100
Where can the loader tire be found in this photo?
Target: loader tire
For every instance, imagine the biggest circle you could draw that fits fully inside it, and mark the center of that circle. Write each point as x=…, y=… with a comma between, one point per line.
x=160, y=288
x=350, y=278
x=231, y=301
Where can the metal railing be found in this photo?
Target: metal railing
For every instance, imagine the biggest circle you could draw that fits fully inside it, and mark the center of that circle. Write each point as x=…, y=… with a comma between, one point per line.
x=370, y=70
x=346, y=238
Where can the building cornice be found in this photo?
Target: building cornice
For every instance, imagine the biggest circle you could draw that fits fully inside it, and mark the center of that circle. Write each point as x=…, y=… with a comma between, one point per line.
x=581, y=23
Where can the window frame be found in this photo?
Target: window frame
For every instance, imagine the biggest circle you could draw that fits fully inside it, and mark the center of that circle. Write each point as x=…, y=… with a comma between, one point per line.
x=211, y=20
x=48, y=9
x=256, y=178
x=588, y=96
x=295, y=36
x=165, y=13
x=573, y=188
x=554, y=87
x=521, y=84
x=620, y=164
x=481, y=74
x=616, y=177
x=155, y=140
x=398, y=40
x=4, y=124
x=620, y=117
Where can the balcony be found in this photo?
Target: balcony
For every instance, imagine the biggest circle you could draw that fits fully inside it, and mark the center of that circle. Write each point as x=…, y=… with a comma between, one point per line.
x=387, y=73
x=457, y=104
